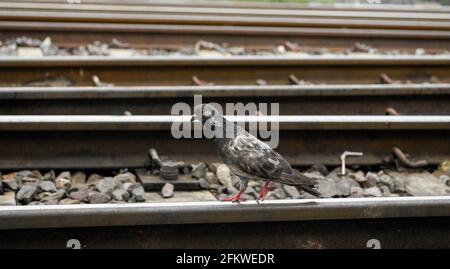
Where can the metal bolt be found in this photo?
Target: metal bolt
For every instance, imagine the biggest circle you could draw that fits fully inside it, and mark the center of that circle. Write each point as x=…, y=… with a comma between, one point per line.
x=344, y=155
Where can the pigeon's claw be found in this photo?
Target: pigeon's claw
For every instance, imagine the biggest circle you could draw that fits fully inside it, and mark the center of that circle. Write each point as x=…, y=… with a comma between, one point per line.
x=263, y=192
x=234, y=199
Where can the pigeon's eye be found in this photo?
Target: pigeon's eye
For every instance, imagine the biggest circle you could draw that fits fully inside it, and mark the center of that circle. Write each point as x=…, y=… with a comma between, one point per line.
x=213, y=112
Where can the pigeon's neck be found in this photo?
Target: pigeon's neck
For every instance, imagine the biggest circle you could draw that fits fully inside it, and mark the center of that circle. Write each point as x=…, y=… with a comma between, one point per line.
x=228, y=129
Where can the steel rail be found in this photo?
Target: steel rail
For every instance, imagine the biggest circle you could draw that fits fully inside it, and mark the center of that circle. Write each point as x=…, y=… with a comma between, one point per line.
x=267, y=5
x=163, y=122
x=332, y=59
x=371, y=99
x=330, y=69
x=221, y=20
x=437, y=89
x=121, y=9
x=63, y=216
x=223, y=29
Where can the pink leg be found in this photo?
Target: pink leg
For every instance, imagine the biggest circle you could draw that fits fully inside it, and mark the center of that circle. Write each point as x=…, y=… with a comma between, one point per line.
x=264, y=191
x=235, y=198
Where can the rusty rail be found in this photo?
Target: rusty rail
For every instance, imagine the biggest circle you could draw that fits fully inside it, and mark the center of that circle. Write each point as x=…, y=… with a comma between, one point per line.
x=179, y=70
x=409, y=99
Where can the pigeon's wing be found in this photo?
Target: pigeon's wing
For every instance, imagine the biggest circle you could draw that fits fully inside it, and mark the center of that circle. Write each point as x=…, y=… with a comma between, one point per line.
x=256, y=158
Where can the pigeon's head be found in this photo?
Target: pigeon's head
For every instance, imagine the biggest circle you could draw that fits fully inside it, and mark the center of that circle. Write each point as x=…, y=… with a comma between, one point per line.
x=204, y=112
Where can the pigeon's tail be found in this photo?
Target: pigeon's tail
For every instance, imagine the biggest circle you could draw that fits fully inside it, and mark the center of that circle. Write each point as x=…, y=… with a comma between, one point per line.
x=301, y=181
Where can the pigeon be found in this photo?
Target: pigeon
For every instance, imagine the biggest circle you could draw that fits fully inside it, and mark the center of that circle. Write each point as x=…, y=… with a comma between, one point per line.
x=249, y=158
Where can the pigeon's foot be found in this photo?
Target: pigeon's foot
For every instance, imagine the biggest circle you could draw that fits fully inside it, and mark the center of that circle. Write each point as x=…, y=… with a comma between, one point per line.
x=235, y=199
x=263, y=192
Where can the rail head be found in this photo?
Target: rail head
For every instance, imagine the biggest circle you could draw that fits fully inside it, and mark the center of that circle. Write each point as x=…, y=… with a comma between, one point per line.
x=165, y=122
x=63, y=216
x=245, y=60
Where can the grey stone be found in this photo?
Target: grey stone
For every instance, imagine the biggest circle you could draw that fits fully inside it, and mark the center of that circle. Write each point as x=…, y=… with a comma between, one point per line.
x=47, y=186
x=198, y=170
x=108, y=185
x=425, y=184
x=445, y=179
x=305, y=195
x=372, y=192
x=232, y=190
x=26, y=194
x=30, y=180
x=358, y=176
x=388, y=181
x=116, y=202
x=181, y=196
x=356, y=192
x=126, y=177
x=277, y=193
x=130, y=186
x=399, y=181
x=37, y=174
x=139, y=193
x=322, y=169
x=78, y=179
x=121, y=195
x=328, y=188
x=371, y=180
x=65, y=175
x=49, y=175
x=8, y=198
x=49, y=198
x=59, y=194
x=212, y=178
x=224, y=176
x=385, y=190
x=43, y=195
x=98, y=198
x=36, y=203
x=68, y=201
x=82, y=194
x=213, y=167
x=292, y=191
x=344, y=186
x=62, y=183
x=215, y=187
x=251, y=192
x=49, y=201
x=10, y=184
x=203, y=183
x=93, y=179
x=167, y=190
x=24, y=173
